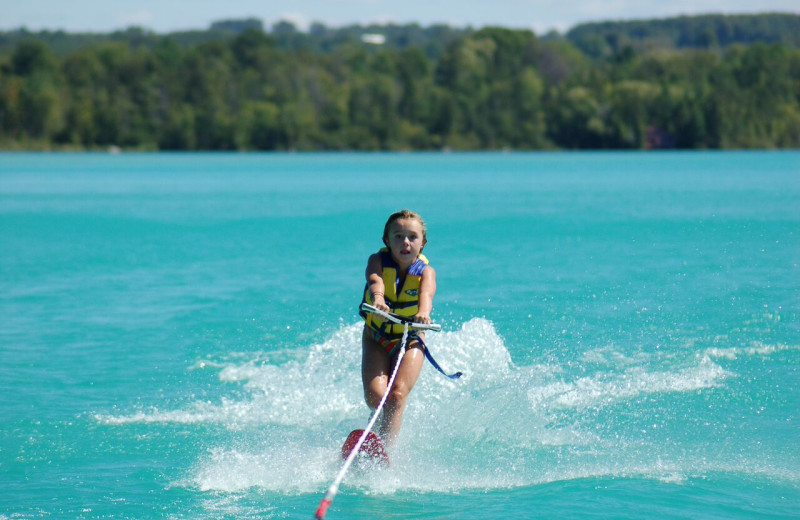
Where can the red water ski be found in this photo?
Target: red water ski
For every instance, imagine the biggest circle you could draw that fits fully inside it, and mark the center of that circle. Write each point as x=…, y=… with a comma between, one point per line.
x=372, y=447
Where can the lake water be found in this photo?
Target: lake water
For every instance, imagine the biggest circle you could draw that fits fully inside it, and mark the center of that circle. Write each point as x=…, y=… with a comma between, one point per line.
x=179, y=335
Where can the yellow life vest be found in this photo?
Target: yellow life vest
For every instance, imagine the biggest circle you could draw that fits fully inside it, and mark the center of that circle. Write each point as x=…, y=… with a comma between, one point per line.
x=403, y=301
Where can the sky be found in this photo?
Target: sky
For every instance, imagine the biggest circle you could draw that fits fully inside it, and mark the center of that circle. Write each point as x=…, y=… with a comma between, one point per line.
x=541, y=16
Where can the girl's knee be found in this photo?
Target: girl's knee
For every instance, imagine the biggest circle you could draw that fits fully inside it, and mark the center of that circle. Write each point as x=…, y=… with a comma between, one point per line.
x=373, y=396
x=398, y=395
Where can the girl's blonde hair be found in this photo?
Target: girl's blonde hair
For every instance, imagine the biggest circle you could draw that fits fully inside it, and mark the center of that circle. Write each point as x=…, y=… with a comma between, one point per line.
x=404, y=214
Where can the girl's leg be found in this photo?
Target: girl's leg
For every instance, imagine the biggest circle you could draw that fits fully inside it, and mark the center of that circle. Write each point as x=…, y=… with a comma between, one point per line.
x=407, y=375
x=375, y=370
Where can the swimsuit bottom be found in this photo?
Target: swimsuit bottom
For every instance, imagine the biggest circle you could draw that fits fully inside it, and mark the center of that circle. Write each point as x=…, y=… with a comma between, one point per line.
x=390, y=343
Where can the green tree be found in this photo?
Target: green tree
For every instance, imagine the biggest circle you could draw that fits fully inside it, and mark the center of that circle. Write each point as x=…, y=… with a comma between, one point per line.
x=179, y=129
x=260, y=127
x=631, y=105
x=31, y=57
x=83, y=77
x=575, y=119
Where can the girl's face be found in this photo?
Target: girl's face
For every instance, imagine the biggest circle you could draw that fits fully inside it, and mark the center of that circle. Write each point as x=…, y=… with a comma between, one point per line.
x=406, y=241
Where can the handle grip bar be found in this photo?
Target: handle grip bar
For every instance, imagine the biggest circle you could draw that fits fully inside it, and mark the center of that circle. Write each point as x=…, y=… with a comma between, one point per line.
x=394, y=318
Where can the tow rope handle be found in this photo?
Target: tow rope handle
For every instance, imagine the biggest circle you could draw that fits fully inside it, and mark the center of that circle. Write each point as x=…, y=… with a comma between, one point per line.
x=400, y=320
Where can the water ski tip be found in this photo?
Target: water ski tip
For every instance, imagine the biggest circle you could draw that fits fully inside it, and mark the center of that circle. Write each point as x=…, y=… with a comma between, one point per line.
x=372, y=447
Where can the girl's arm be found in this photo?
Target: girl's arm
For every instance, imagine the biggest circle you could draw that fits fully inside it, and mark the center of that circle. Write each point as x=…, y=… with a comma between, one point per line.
x=427, y=289
x=375, y=282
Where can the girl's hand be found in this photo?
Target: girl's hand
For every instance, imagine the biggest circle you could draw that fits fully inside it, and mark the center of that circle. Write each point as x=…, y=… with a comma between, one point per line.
x=379, y=303
x=422, y=318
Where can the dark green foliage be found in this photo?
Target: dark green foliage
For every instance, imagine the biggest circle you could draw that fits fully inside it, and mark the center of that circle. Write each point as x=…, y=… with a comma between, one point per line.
x=603, y=39
x=236, y=87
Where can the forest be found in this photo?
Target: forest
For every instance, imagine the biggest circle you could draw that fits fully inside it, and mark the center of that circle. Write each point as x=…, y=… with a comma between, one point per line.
x=706, y=82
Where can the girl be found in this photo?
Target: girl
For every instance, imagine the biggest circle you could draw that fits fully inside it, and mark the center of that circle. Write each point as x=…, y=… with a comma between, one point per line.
x=399, y=280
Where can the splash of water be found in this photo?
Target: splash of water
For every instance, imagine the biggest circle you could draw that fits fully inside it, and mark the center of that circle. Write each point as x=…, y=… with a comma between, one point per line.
x=500, y=426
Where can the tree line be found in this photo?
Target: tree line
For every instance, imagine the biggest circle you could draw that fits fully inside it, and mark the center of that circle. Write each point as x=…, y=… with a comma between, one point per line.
x=698, y=32
x=423, y=89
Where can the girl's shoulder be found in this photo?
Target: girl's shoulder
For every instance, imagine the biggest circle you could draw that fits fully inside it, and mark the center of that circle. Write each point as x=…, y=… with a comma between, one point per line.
x=422, y=268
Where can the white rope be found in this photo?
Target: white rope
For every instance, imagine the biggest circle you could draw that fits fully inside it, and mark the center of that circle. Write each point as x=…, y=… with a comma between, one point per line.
x=334, y=487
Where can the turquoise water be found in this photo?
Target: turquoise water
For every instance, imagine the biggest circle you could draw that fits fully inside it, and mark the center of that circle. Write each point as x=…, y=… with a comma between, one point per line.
x=179, y=335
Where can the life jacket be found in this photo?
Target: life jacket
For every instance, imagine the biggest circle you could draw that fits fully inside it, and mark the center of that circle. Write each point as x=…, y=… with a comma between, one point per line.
x=403, y=301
